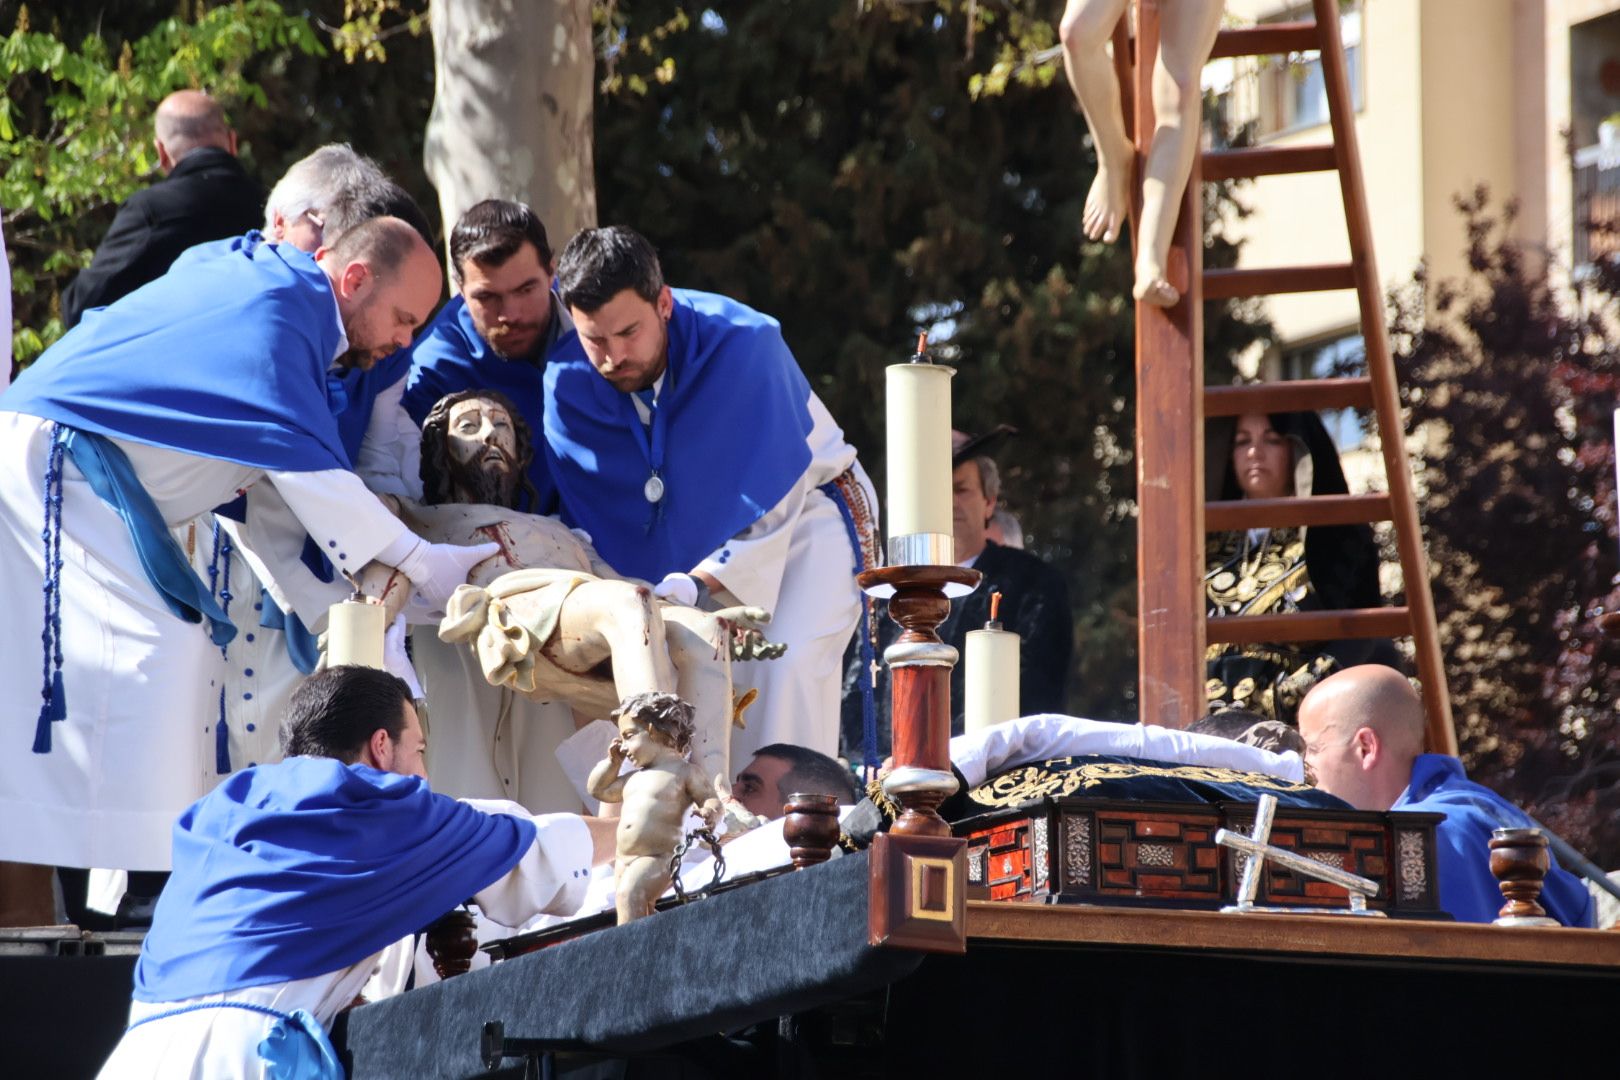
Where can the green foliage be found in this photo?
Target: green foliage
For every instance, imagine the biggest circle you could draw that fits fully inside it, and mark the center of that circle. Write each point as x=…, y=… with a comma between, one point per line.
x=829, y=165
x=75, y=125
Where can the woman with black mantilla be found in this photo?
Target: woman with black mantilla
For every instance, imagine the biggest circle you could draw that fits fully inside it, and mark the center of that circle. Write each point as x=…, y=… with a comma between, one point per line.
x=1275, y=571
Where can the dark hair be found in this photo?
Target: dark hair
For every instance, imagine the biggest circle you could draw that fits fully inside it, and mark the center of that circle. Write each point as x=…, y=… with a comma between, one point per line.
x=811, y=773
x=437, y=485
x=599, y=264
x=336, y=711
x=495, y=230
x=663, y=713
x=1226, y=723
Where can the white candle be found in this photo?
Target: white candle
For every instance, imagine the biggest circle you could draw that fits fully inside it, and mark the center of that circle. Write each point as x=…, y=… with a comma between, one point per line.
x=354, y=633
x=918, y=400
x=991, y=679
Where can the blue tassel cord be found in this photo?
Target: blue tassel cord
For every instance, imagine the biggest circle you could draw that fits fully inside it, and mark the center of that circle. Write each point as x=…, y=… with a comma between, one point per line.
x=219, y=585
x=53, y=704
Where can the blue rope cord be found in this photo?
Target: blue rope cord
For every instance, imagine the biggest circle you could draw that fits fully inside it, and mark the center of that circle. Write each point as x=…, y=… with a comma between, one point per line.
x=53, y=703
x=869, y=748
x=198, y=1006
x=219, y=574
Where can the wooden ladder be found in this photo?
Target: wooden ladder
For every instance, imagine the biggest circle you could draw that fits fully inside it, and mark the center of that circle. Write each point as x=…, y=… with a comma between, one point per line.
x=1172, y=401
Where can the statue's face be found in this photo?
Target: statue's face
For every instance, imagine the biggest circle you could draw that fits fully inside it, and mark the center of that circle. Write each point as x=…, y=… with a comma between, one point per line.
x=481, y=433
x=483, y=451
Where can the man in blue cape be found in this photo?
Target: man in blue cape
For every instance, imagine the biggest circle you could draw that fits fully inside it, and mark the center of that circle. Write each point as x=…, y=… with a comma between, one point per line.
x=206, y=384
x=686, y=441
x=1363, y=730
x=320, y=197
x=497, y=333
x=290, y=881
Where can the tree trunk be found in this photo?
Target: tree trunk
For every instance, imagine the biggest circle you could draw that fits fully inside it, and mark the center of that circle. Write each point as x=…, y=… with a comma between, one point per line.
x=512, y=109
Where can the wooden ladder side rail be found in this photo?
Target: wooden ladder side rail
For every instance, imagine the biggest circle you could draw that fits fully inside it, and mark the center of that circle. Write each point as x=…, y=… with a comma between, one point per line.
x=1441, y=732
x=1170, y=463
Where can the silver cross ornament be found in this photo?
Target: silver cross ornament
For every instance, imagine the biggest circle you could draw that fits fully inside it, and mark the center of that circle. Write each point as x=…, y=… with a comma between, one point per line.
x=1258, y=847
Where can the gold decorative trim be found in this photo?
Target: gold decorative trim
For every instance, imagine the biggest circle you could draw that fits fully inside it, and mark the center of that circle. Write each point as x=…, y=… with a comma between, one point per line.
x=916, y=866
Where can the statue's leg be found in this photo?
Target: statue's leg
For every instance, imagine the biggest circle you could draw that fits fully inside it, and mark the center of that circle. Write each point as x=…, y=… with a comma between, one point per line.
x=1187, y=33
x=617, y=619
x=637, y=884
x=1086, y=27
x=700, y=650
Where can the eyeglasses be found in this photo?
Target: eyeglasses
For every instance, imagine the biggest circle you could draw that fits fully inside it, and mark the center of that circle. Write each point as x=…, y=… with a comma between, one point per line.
x=317, y=220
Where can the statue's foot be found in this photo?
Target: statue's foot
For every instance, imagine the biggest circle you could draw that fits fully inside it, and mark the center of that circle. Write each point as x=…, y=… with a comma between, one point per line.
x=1152, y=288
x=1107, y=204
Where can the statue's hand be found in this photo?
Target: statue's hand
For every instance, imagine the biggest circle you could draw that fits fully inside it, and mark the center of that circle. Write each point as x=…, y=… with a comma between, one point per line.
x=710, y=812
x=750, y=644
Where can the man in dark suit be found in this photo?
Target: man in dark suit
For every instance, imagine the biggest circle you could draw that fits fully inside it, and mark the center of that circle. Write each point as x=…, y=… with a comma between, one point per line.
x=1034, y=604
x=205, y=195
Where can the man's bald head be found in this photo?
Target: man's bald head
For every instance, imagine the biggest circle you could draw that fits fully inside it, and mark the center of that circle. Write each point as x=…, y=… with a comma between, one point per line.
x=387, y=281
x=1363, y=728
x=189, y=120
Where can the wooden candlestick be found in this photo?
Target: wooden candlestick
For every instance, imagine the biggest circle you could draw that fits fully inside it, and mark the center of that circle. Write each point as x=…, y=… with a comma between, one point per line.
x=452, y=942
x=1520, y=862
x=810, y=827
x=919, y=600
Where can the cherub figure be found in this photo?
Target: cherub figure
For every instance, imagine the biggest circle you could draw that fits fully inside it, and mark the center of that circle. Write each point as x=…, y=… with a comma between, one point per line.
x=1186, y=36
x=655, y=733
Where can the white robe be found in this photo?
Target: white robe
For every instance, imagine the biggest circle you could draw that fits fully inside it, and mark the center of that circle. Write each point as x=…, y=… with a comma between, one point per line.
x=257, y=673
x=487, y=742
x=798, y=563
x=222, y=1044
x=141, y=685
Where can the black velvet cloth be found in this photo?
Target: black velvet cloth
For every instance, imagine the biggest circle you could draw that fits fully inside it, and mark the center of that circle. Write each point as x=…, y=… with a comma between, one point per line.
x=734, y=959
x=1034, y=605
x=208, y=196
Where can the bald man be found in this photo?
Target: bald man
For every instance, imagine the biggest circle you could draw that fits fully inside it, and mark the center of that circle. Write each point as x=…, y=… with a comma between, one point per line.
x=206, y=195
x=109, y=441
x=1363, y=730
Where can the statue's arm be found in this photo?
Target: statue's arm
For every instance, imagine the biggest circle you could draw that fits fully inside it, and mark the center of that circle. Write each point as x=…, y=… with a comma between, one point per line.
x=605, y=783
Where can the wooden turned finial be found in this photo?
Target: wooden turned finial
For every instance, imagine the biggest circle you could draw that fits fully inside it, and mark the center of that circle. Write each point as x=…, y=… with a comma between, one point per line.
x=810, y=827
x=452, y=942
x=1520, y=862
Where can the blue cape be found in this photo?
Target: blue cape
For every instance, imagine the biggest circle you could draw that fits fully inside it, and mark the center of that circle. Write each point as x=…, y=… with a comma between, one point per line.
x=737, y=410
x=450, y=356
x=225, y=357
x=1468, y=889
x=294, y=870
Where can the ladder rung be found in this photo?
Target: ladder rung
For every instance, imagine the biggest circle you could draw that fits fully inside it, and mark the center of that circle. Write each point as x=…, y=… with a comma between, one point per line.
x=1309, y=626
x=1271, y=280
x=1238, y=514
x=1266, y=40
x=1294, y=395
x=1267, y=161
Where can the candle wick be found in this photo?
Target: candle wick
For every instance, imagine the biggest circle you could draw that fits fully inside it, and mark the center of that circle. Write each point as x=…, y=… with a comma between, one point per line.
x=922, y=343
x=995, y=607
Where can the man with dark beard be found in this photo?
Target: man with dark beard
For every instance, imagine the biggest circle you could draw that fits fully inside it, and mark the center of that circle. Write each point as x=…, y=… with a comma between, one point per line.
x=497, y=333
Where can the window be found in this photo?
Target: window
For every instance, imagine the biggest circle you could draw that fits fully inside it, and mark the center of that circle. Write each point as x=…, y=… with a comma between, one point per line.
x=1266, y=96
x=1335, y=358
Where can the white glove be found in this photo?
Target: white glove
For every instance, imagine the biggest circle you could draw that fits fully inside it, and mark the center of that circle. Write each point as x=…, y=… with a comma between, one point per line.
x=436, y=569
x=397, y=661
x=681, y=588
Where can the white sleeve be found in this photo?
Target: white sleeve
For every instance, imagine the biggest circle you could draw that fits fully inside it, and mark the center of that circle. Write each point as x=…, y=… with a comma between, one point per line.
x=551, y=876
x=750, y=564
x=390, y=457
x=980, y=755
x=333, y=507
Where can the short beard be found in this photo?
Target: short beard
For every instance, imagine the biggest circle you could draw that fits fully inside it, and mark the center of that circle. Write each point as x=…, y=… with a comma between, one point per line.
x=485, y=486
